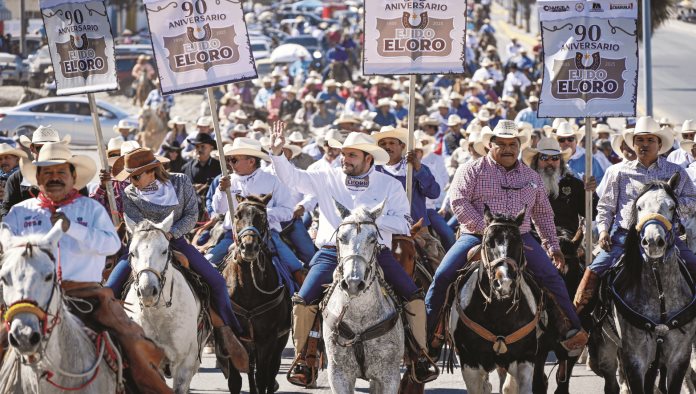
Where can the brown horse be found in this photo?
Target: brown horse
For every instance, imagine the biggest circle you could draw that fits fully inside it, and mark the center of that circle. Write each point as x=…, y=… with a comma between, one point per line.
x=143, y=86
x=152, y=129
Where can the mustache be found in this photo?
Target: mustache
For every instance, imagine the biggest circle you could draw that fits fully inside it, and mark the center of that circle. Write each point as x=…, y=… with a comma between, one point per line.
x=55, y=183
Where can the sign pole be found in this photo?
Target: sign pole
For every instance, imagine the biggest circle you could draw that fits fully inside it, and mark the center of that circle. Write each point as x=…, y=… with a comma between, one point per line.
x=102, y=157
x=218, y=139
x=411, y=129
x=647, y=58
x=588, y=194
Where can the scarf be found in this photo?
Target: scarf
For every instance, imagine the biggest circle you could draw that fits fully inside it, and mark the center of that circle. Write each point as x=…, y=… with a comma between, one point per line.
x=398, y=169
x=159, y=193
x=5, y=175
x=45, y=202
x=360, y=182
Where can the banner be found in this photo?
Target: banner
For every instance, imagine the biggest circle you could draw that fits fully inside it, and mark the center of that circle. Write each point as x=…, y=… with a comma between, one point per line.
x=81, y=45
x=199, y=43
x=590, y=58
x=414, y=37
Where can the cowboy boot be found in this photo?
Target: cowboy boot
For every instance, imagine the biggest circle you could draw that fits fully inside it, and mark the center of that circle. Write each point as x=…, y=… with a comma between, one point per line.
x=586, y=289
x=227, y=345
x=425, y=368
x=303, y=317
x=574, y=339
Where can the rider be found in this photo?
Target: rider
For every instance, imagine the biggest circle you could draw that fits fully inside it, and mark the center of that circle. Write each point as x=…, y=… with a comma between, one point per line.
x=501, y=182
x=624, y=183
x=356, y=184
x=143, y=66
x=89, y=238
x=153, y=195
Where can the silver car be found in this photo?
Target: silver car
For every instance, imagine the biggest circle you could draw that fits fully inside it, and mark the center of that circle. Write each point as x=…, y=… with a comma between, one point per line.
x=70, y=115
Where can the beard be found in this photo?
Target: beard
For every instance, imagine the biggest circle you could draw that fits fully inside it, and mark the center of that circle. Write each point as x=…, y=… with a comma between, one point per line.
x=551, y=177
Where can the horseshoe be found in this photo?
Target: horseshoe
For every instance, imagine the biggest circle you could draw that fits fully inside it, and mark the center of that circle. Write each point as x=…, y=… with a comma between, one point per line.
x=596, y=59
x=206, y=36
x=85, y=42
x=405, y=20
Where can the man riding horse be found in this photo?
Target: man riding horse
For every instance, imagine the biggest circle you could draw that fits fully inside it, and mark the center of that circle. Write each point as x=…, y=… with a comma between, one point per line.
x=507, y=186
x=624, y=182
x=90, y=238
x=356, y=184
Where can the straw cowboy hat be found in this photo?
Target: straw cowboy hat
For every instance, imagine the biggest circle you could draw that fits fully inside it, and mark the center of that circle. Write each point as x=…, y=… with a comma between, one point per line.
x=399, y=133
x=346, y=117
x=509, y=99
x=533, y=99
x=504, y=129
x=204, y=121
x=333, y=134
x=243, y=146
x=475, y=139
x=123, y=124
x=116, y=163
x=7, y=149
x=455, y=120
x=565, y=130
x=648, y=125
x=238, y=114
x=331, y=83
x=363, y=142
x=546, y=146
x=398, y=98
x=617, y=140
x=425, y=142
x=177, y=120
x=689, y=126
x=429, y=121
x=383, y=102
x=228, y=96
x=43, y=135
x=238, y=129
x=484, y=115
x=685, y=145
x=259, y=124
x=294, y=149
x=442, y=103
x=137, y=162
x=297, y=137
x=54, y=154
x=114, y=146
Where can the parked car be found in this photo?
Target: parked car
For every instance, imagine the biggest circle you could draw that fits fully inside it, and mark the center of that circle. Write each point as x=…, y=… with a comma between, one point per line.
x=13, y=69
x=38, y=62
x=68, y=114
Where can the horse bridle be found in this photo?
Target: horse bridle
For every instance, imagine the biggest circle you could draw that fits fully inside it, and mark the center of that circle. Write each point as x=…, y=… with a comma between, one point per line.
x=658, y=220
x=253, y=229
x=491, y=265
x=373, y=259
x=160, y=275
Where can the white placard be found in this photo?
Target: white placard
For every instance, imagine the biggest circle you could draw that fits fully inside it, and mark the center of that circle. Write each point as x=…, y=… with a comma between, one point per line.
x=81, y=46
x=414, y=37
x=199, y=43
x=590, y=58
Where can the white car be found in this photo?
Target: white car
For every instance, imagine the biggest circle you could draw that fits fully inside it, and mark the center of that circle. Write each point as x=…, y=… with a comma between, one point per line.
x=260, y=48
x=12, y=69
x=70, y=115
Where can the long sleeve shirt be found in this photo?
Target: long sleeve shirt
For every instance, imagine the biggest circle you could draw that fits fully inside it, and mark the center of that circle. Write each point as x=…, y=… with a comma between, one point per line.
x=436, y=165
x=99, y=195
x=577, y=164
x=625, y=180
x=485, y=182
x=329, y=185
x=424, y=186
x=91, y=236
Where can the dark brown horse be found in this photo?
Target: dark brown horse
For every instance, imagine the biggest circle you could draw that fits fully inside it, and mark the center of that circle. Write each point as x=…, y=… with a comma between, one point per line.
x=259, y=299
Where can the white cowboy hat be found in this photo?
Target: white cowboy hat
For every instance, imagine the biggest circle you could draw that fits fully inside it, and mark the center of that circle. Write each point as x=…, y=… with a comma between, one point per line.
x=565, y=129
x=114, y=146
x=546, y=146
x=525, y=127
x=43, y=135
x=363, y=142
x=124, y=124
x=7, y=149
x=175, y=121
x=648, y=125
x=474, y=100
x=259, y=124
x=504, y=129
x=331, y=83
x=455, y=120
x=383, y=102
x=333, y=134
x=509, y=99
x=399, y=133
x=442, y=103
x=425, y=142
x=229, y=96
x=689, y=126
x=533, y=99
x=377, y=80
x=54, y=154
x=245, y=147
x=429, y=121
x=238, y=114
x=475, y=139
x=297, y=137
x=346, y=117
x=290, y=89
x=685, y=145
x=204, y=121
x=455, y=96
x=483, y=115
x=296, y=150
x=617, y=140
x=398, y=98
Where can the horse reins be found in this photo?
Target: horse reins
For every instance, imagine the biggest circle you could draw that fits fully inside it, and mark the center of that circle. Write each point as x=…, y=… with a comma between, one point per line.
x=160, y=275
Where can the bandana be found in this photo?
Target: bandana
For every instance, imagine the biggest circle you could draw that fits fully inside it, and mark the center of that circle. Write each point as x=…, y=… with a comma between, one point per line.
x=357, y=183
x=159, y=193
x=5, y=175
x=398, y=169
x=45, y=202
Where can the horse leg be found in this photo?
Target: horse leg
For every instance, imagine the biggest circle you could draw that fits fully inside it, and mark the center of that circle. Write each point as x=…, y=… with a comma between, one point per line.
x=523, y=372
x=675, y=376
x=263, y=356
x=603, y=360
x=563, y=379
x=274, y=363
x=540, y=384
x=340, y=382
x=234, y=381
x=636, y=371
x=183, y=373
x=476, y=380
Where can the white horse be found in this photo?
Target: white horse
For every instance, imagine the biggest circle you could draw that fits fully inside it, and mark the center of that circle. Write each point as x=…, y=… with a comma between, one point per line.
x=50, y=349
x=162, y=301
x=356, y=304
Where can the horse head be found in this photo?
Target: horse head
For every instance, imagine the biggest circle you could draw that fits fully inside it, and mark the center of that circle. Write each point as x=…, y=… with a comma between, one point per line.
x=149, y=257
x=30, y=287
x=357, y=247
x=655, y=213
x=502, y=252
x=251, y=225
x=570, y=244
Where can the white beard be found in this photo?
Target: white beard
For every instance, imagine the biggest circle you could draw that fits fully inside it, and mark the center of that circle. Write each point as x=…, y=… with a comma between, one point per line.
x=551, y=180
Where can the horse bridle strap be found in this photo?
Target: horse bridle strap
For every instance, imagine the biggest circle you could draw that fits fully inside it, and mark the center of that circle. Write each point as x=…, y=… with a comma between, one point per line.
x=654, y=217
x=266, y=307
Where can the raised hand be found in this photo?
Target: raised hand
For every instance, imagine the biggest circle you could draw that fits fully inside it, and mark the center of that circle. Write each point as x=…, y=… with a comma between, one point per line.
x=278, y=137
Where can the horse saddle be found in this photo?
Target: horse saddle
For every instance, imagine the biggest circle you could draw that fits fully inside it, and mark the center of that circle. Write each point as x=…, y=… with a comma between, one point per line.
x=181, y=259
x=474, y=254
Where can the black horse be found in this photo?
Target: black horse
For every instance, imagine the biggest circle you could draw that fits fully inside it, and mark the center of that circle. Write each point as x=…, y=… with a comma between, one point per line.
x=259, y=299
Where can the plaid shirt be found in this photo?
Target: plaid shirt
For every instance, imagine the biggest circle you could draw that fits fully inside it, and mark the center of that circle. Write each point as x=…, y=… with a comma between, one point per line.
x=625, y=180
x=99, y=195
x=484, y=181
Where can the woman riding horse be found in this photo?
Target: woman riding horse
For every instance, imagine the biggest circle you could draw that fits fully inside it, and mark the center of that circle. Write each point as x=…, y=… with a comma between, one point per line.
x=153, y=194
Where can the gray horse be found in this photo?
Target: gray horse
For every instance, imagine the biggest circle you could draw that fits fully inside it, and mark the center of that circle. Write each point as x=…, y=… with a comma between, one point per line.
x=41, y=328
x=644, y=325
x=356, y=304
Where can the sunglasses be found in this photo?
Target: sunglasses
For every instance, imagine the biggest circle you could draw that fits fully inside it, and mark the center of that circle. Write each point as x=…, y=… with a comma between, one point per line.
x=547, y=158
x=232, y=160
x=137, y=177
x=564, y=139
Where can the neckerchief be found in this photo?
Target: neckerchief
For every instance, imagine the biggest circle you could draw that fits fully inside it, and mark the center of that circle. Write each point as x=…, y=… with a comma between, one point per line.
x=163, y=194
x=5, y=175
x=357, y=183
x=398, y=169
x=45, y=202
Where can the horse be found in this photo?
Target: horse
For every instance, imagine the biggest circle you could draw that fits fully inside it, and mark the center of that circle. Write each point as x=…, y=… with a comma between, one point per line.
x=362, y=328
x=152, y=129
x=163, y=302
x=644, y=313
x=506, y=305
x=143, y=86
x=41, y=326
x=259, y=299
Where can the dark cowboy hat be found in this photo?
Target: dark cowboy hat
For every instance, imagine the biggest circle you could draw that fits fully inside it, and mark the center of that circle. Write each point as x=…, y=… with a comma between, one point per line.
x=202, y=138
x=139, y=161
x=173, y=147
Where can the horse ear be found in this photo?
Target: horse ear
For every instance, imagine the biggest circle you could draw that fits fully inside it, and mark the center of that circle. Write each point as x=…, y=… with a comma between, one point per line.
x=130, y=224
x=674, y=181
x=266, y=198
x=415, y=229
x=167, y=223
x=487, y=216
x=54, y=234
x=5, y=236
x=377, y=211
x=520, y=216
x=239, y=198
x=343, y=212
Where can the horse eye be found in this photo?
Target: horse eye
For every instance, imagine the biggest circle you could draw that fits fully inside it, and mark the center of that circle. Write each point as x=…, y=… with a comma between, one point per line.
x=49, y=277
x=639, y=208
x=164, y=252
x=5, y=281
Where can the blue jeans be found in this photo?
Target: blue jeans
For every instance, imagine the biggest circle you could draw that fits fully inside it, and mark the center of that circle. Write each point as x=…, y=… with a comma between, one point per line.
x=298, y=235
x=538, y=262
x=441, y=228
x=606, y=260
x=284, y=252
x=453, y=223
x=220, y=298
x=219, y=251
x=307, y=220
x=322, y=267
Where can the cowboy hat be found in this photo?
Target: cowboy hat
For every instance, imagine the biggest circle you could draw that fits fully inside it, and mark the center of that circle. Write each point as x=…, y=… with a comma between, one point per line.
x=429, y=121
x=486, y=62
x=399, y=133
x=398, y=98
x=137, y=162
x=565, y=129
x=455, y=120
x=177, y=120
x=123, y=124
x=346, y=117
x=455, y=96
x=175, y=146
x=363, y=142
x=54, y=154
x=334, y=134
x=648, y=125
x=484, y=115
x=290, y=89
x=243, y=146
x=238, y=129
x=114, y=146
x=504, y=129
x=686, y=145
x=442, y=103
x=202, y=138
x=384, y=102
x=424, y=142
x=7, y=149
x=509, y=99
x=533, y=99
x=296, y=150
x=259, y=124
x=331, y=83
x=229, y=96
x=204, y=121
x=617, y=140
x=475, y=139
x=238, y=114
x=473, y=100
x=297, y=137
x=546, y=146
x=43, y=135
x=689, y=126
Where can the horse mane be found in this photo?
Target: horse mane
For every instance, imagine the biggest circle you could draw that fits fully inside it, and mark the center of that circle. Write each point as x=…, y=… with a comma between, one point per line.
x=633, y=259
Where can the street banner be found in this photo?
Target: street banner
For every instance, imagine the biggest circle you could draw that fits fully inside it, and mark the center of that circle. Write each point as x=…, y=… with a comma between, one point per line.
x=199, y=43
x=81, y=45
x=414, y=37
x=590, y=58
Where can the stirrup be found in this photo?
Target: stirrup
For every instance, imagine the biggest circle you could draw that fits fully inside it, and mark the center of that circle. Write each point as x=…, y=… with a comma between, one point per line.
x=424, y=362
x=300, y=374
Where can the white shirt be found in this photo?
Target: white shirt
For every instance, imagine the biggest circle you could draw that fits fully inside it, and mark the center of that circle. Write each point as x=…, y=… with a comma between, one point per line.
x=681, y=157
x=691, y=170
x=481, y=74
x=436, y=165
x=513, y=80
x=330, y=184
x=83, y=249
x=323, y=164
x=603, y=184
x=279, y=209
x=602, y=160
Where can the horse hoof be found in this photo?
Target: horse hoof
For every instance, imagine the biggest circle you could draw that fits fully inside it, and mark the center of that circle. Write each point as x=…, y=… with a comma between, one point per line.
x=276, y=386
